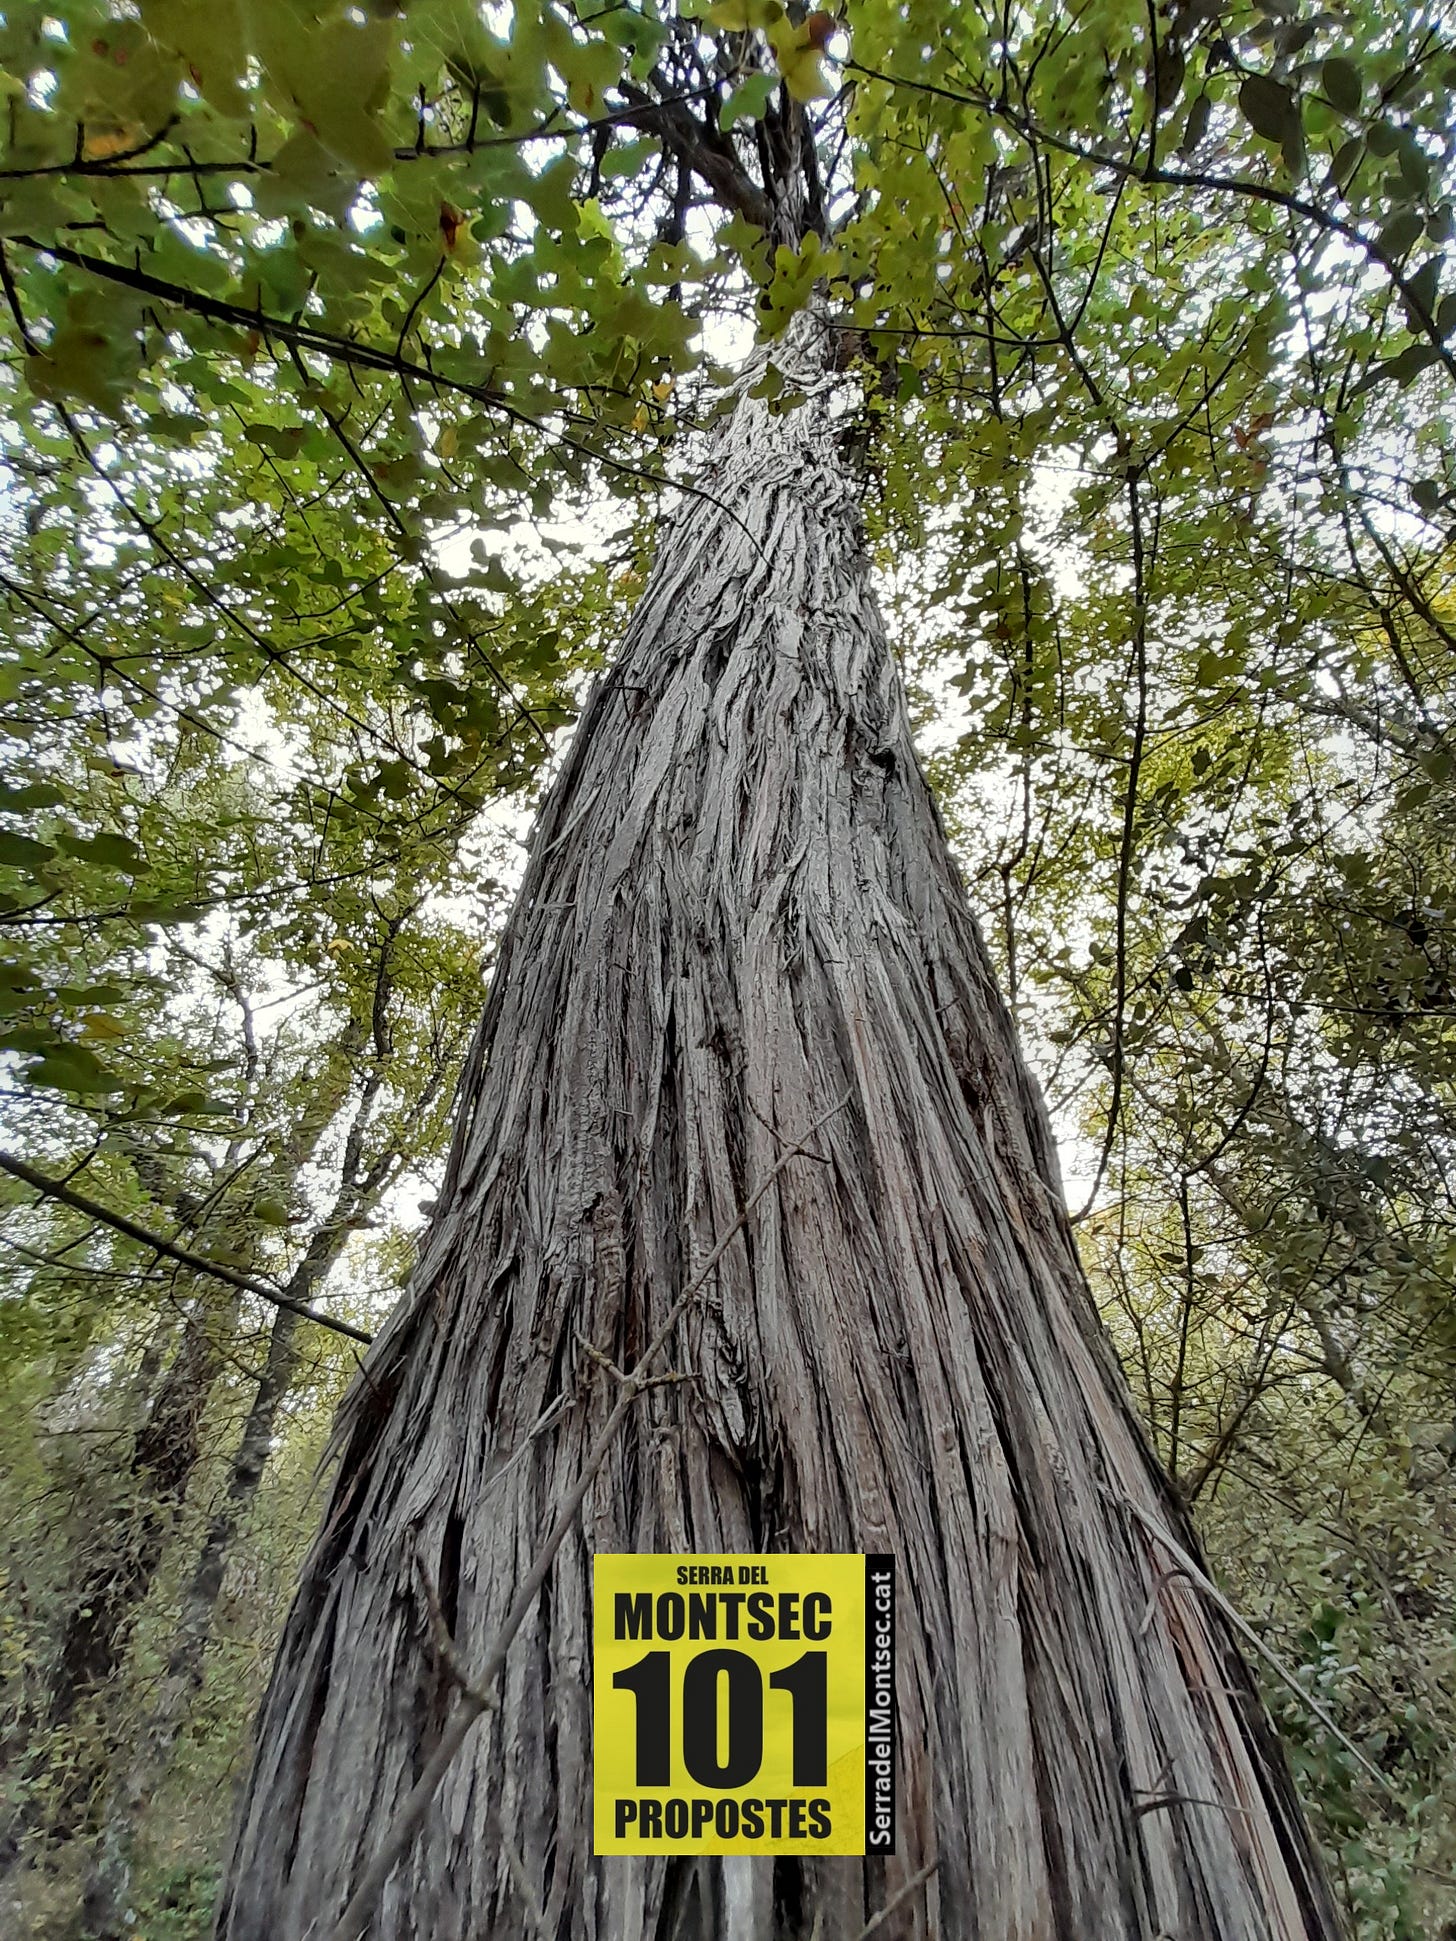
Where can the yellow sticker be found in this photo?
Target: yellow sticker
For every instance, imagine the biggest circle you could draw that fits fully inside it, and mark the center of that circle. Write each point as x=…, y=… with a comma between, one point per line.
x=744, y=1704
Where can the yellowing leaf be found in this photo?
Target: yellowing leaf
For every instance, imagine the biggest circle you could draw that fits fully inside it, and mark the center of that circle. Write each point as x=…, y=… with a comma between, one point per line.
x=589, y=68
x=97, y=1024
x=102, y=143
x=335, y=78
x=798, y=53
x=210, y=40
x=119, y=78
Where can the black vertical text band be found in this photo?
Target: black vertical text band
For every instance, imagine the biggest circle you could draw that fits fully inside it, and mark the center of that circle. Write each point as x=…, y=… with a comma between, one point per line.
x=879, y=1704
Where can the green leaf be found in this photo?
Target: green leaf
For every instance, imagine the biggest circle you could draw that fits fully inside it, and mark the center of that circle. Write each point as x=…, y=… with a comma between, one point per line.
x=1403, y=368
x=749, y=100
x=30, y=1037
x=198, y=1105
x=23, y=852
x=550, y=193
x=284, y=441
x=1427, y=495
x=1401, y=233
x=334, y=79
x=1415, y=164
x=1196, y=126
x=210, y=40
x=1343, y=84
x=1269, y=108
x=163, y=910
x=101, y=1025
x=111, y=850
x=646, y=38
x=1346, y=160
x=589, y=68
x=31, y=795
x=1383, y=137
x=71, y=1068
x=1419, y=295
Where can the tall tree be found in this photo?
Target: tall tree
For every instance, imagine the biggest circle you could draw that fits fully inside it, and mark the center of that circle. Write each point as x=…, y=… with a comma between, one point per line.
x=743, y=1019
x=741, y=932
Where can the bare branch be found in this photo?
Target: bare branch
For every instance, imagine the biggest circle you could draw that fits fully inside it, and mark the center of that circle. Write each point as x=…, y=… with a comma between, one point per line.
x=55, y=1189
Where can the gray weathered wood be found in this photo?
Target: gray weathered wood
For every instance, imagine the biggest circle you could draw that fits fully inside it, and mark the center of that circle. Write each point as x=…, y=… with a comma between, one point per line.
x=740, y=908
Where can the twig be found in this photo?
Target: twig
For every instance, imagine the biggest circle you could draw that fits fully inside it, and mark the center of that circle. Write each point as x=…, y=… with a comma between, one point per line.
x=896, y=1901
x=479, y=1694
x=605, y=1361
x=12, y=297
x=355, y=352
x=543, y=1422
x=55, y=1189
x=530, y=1899
x=441, y=1635
x=1160, y=1800
x=115, y=166
x=1032, y=132
x=1202, y=1581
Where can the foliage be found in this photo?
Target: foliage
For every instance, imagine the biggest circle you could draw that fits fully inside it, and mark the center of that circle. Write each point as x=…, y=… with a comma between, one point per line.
x=329, y=326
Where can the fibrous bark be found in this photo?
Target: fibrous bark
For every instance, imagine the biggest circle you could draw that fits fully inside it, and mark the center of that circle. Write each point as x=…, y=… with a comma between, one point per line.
x=741, y=909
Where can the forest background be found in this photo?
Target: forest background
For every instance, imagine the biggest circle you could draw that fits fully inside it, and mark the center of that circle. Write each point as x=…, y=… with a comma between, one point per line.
x=350, y=355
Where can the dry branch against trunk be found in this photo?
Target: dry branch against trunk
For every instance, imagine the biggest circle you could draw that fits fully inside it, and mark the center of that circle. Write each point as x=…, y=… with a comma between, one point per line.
x=897, y=1900
x=741, y=908
x=1197, y=1575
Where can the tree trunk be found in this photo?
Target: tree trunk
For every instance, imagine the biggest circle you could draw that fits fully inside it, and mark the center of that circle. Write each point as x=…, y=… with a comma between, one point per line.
x=116, y=1579
x=149, y=1760
x=741, y=909
x=164, y=1456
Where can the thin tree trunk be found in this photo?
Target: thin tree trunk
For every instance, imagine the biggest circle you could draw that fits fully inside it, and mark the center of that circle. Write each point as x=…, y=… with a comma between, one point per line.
x=107, y=1888
x=740, y=908
x=164, y=1457
x=118, y=1574
x=147, y=1761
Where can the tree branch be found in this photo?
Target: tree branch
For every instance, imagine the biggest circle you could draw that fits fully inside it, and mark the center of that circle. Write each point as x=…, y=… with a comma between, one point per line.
x=897, y=1900
x=1030, y=131
x=363, y=356
x=1203, y=1582
x=116, y=165
x=55, y=1189
x=670, y=120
